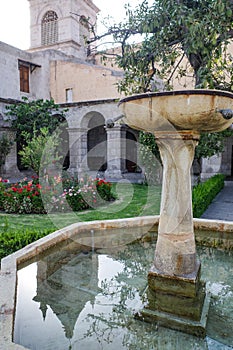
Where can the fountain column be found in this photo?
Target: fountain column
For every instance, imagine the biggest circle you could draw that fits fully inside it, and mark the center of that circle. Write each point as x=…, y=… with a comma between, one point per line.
x=176, y=250
x=176, y=295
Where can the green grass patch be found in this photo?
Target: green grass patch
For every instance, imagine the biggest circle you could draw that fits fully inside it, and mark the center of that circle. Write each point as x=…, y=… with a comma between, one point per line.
x=18, y=230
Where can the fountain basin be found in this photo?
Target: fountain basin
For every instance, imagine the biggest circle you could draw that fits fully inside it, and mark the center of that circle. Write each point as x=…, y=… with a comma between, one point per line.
x=197, y=110
x=216, y=233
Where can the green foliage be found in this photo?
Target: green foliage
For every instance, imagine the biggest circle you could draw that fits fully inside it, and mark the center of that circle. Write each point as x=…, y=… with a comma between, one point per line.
x=30, y=116
x=211, y=144
x=179, y=39
x=148, y=155
x=34, y=121
x=5, y=147
x=33, y=155
x=3, y=186
x=204, y=193
x=104, y=190
x=12, y=240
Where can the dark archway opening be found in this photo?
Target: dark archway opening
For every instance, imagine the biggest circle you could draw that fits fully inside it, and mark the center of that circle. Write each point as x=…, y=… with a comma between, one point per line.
x=131, y=152
x=97, y=144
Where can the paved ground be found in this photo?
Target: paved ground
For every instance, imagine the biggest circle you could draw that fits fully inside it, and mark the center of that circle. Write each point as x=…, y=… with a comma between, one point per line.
x=222, y=206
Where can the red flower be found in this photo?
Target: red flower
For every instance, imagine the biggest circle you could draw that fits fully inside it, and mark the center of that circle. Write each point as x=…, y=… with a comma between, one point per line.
x=14, y=189
x=38, y=186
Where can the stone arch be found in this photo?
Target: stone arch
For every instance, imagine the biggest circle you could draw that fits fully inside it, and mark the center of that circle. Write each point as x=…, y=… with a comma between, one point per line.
x=92, y=119
x=48, y=8
x=96, y=141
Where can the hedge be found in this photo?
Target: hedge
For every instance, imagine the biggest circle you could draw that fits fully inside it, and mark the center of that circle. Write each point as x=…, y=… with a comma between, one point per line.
x=11, y=240
x=204, y=193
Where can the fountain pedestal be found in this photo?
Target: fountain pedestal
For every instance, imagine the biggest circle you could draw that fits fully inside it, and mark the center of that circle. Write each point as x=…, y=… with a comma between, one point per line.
x=176, y=250
x=176, y=295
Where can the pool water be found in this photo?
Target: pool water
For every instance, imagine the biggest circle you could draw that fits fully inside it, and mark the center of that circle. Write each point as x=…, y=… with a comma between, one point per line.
x=79, y=297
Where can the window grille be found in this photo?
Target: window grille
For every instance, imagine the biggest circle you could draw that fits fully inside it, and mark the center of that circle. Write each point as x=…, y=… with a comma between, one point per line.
x=49, y=28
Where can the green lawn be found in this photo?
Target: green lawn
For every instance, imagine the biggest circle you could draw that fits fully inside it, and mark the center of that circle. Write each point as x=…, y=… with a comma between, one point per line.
x=133, y=200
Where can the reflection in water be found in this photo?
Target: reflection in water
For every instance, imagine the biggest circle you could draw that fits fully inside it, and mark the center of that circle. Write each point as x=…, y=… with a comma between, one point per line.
x=81, y=298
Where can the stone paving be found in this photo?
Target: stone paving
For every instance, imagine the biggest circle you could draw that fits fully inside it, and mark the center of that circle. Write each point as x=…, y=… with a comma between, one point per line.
x=222, y=206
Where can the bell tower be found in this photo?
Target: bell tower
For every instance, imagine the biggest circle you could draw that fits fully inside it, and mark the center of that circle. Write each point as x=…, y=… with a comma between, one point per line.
x=61, y=25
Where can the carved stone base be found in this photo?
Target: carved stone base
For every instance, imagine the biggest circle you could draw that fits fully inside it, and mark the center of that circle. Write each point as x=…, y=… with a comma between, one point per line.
x=184, y=285
x=179, y=323
x=177, y=302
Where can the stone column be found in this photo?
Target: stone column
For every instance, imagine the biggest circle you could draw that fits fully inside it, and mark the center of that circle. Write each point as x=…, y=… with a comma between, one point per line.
x=175, y=250
x=10, y=168
x=114, y=154
x=176, y=295
x=78, y=150
x=123, y=149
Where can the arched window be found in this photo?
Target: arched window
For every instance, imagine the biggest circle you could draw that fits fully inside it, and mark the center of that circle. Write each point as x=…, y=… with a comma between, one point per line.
x=49, y=28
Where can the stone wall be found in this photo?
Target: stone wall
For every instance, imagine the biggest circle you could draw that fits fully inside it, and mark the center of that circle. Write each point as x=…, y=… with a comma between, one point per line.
x=87, y=81
x=10, y=78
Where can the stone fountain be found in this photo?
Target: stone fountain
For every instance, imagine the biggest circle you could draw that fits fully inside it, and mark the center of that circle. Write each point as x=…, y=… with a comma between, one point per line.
x=176, y=295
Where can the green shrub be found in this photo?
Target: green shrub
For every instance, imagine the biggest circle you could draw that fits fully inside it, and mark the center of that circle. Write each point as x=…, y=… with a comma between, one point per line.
x=11, y=240
x=204, y=193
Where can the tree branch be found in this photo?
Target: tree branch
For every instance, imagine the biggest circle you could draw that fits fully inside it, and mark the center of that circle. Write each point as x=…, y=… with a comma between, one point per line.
x=175, y=68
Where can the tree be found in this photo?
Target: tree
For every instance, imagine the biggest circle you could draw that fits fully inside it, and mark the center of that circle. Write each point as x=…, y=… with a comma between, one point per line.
x=34, y=122
x=30, y=116
x=180, y=39
x=33, y=155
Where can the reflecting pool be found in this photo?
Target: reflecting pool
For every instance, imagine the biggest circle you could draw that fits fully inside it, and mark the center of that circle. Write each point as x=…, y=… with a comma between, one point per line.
x=83, y=297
